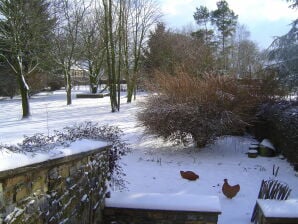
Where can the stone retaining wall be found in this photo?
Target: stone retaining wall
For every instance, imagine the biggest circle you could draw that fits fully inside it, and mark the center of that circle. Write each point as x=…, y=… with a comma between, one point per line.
x=156, y=208
x=146, y=216
x=64, y=190
x=277, y=211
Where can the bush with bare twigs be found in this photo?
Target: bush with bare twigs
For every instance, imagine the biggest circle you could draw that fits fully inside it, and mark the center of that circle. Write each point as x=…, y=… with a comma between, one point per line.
x=203, y=108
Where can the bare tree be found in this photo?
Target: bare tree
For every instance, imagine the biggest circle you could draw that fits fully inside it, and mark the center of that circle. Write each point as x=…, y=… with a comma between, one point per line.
x=69, y=14
x=92, y=44
x=246, y=59
x=126, y=25
x=142, y=16
x=110, y=46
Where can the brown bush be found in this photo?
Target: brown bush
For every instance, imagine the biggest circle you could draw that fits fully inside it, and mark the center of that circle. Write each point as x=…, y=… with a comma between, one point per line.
x=204, y=108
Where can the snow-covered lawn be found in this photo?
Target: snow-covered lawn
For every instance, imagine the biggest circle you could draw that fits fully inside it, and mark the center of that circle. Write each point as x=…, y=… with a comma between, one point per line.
x=153, y=166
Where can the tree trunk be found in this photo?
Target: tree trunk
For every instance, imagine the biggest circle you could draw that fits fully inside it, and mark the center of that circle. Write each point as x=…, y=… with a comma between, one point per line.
x=130, y=90
x=113, y=90
x=110, y=48
x=68, y=88
x=93, y=89
x=120, y=42
x=135, y=92
x=93, y=84
x=24, y=90
x=224, y=53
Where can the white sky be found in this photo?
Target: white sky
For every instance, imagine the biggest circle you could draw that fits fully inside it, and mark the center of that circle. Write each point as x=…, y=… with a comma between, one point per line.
x=263, y=18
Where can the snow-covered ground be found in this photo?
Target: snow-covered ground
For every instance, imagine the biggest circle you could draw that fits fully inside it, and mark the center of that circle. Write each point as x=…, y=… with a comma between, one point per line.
x=153, y=166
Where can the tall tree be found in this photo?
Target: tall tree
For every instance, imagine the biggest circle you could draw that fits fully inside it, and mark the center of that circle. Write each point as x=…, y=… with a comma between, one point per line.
x=170, y=52
x=69, y=14
x=283, y=54
x=25, y=33
x=225, y=20
x=159, y=52
x=245, y=56
x=126, y=25
x=202, y=17
x=92, y=46
x=142, y=15
x=110, y=44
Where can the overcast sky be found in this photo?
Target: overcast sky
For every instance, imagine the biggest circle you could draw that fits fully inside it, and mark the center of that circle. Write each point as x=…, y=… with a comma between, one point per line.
x=263, y=18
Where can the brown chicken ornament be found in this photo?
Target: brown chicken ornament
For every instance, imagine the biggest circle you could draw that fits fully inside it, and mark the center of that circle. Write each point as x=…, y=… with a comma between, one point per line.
x=228, y=190
x=189, y=175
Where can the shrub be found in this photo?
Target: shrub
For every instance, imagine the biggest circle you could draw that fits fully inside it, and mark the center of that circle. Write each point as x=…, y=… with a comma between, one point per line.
x=203, y=108
x=55, y=85
x=279, y=122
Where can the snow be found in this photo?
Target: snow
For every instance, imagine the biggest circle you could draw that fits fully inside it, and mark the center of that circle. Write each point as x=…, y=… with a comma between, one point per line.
x=266, y=143
x=25, y=83
x=153, y=166
x=279, y=209
x=13, y=215
x=8, y=159
x=170, y=202
x=84, y=198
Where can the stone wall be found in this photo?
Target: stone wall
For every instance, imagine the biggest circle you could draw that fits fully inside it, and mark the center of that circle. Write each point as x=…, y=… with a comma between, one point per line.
x=145, y=216
x=277, y=211
x=64, y=190
x=157, y=208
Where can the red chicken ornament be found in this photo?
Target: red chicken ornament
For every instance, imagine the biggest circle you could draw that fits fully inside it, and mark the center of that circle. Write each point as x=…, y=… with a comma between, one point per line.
x=230, y=191
x=189, y=175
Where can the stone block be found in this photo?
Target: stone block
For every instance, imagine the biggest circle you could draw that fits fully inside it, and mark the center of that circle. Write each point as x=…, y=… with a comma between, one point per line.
x=73, y=170
x=21, y=192
x=38, y=184
x=11, y=182
x=2, y=203
x=64, y=171
x=8, y=196
x=53, y=173
x=79, y=164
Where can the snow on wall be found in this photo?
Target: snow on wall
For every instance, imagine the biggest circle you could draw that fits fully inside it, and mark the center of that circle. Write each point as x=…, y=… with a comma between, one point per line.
x=279, y=208
x=8, y=159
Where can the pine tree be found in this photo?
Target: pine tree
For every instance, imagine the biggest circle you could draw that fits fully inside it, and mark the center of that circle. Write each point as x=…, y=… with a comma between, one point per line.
x=283, y=53
x=226, y=21
x=202, y=17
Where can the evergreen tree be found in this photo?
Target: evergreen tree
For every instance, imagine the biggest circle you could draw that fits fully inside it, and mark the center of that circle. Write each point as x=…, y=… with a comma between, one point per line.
x=226, y=21
x=25, y=31
x=294, y=3
x=283, y=53
x=172, y=51
x=202, y=17
x=159, y=50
